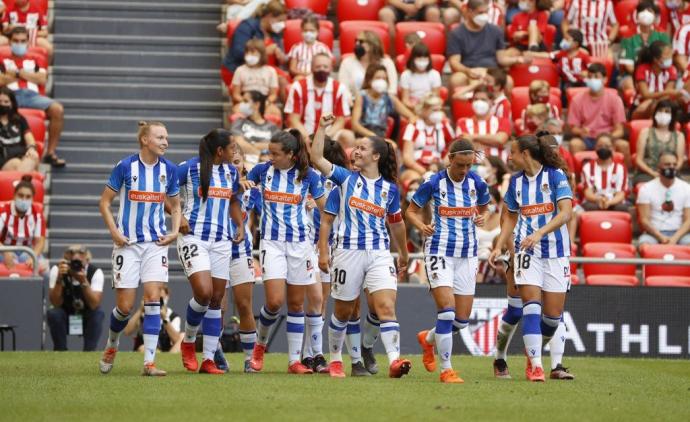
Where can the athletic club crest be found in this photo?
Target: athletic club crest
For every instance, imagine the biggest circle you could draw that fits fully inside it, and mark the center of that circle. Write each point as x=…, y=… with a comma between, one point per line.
x=480, y=336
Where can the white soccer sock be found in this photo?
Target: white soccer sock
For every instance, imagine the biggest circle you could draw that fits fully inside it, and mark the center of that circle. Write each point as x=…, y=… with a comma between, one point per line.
x=557, y=346
x=431, y=336
x=315, y=330
x=195, y=314
x=336, y=338
x=295, y=332
x=444, y=336
x=118, y=321
x=263, y=328
x=307, y=352
x=213, y=326
x=507, y=327
x=390, y=336
x=247, y=340
x=370, y=332
x=151, y=328
x=531, y=332
x=353, y=340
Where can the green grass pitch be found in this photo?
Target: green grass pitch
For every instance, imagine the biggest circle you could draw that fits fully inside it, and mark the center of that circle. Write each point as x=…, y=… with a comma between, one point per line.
x=68, y=387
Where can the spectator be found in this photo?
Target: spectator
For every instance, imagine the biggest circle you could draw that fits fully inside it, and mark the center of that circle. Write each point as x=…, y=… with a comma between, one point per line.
x=16, y=140
x=76, y=290
x=27, y=14
x=414, y=10
x=420, y=78
x=22, y=224
x=496, y=80
x=572, y=61
x=663, y=205
x=373, y=106
x=681, y=47
x=302, y=54
x=252, y=132
x=170, y=336
x=368, y=51
x=268, y=25
x=596, y=20
x=540, y=93
x=647, y=13
x=411, y=39
x=425, y=142
x=451, y=14
x=495, y=172
x=679, y=14
x=319, y=94
x=487, y=132
x=661, y=138
x=256, y=75
x=655, y=78
x=243, y=9
x=555, y=128
x=23, y=75
x=535, y=117
x=526, y=29
x=477, y=45
x=606, y=182
x=596, y=111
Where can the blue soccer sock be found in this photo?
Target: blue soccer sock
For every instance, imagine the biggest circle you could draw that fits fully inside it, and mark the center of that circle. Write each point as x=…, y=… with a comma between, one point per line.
x=266, y=321
x=531, y=332
x=295, y=332
x=371, y=330
x=507, y=326
x=247, y=340
x=212, y=327
x=336, y=337
x=195, y=314
x=118, y=322
x=353, y=340
x=151, y=329
x=444, y=336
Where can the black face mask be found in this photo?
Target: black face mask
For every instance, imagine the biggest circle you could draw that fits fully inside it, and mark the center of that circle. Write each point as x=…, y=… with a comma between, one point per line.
x=321, y=76
x=360, y=51
x=5, y=110
x=604, y=153
x=669, y=173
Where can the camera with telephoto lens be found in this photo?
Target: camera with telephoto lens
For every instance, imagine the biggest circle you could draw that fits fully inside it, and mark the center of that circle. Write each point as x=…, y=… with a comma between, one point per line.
x=76, y=265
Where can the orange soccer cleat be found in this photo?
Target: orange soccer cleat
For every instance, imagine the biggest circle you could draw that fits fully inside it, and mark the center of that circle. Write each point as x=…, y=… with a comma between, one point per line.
x=108, y=359
x=188, y=352
x=428, y=356
x=208, y=366
x=536, y=375
x=448, y=376
x=336, y=369
x=257, y=360
x=150, y=370
x=298, y=368
x=399, y=367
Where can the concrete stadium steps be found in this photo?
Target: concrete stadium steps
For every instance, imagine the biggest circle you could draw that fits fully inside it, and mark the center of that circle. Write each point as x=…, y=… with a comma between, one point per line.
x=116, y=63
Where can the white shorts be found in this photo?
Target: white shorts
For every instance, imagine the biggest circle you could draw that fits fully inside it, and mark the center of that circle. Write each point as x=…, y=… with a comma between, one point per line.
x=354, y=270
x=139, y=262
x=324, y=277
x=293, y=262
x=551, y=274
x=242, y=270
x=204, y=255
x=458, y=273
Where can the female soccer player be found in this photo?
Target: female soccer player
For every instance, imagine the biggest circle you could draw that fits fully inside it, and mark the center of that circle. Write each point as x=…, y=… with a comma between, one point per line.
x=539, y=201
x=145, y=182
x=459, y=201
x=209, y=185
x=286, y=252
x=361, y=256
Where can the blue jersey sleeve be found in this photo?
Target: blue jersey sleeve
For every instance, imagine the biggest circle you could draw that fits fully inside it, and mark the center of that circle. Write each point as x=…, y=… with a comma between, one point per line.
x=235, y=184
x=339, y=174
x=423, y=194
x=333, y=203
x=117, y=177
x=562, y=186
x=315, y=185
x=173, y=187
x=182, y=171
x=509, y=199
x=483, y=196
x=255, y=201
x=255, y=173
x=393, y=201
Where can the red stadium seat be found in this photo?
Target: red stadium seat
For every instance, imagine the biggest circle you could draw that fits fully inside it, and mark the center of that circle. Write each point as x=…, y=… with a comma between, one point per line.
x=624, y=11
x=461, y=108
x=9, y=179
x=293, y=33
x=316, y=6
x=433, y=34
x=226, y=76
x=573, y=252
x=350, y=29
x=523, y=74
x=437, y=62
x=612, y=280
x=667, y=253
x=549, y=37
x=635, y=127
x=520, y=99
x=610, y=251
x=667, y=281
x=36, y=122
x=583, y=156
x=605, y=226
x=351, y=10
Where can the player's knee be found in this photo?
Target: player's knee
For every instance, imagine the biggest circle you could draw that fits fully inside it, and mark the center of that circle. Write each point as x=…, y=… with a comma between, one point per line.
x=274, y=304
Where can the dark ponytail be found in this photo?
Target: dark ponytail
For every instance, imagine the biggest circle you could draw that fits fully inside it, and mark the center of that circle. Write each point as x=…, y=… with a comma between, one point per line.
x=26, y=182
x=291, y=141
x=540, y=149
x=334, y=152
x=649, y=53
x=209, y=144
x=388, y=164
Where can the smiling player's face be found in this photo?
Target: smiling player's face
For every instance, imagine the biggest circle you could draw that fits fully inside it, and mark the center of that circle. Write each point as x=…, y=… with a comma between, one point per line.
x=156, y=141
x=363, y=153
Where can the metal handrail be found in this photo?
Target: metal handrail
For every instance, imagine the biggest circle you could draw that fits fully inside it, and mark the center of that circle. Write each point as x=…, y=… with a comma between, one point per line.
x=5, y=248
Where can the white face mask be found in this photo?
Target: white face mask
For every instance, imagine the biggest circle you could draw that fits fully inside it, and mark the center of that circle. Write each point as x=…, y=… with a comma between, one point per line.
x=22, y=205
x=523, y=5
x=421, y=64
x=277, y=27
x=559, y=139
x=309, y=36
x=565, y=45
x=379, y=85
x=662, y=118
x=667, y=63
x=436, y=117
x=481, y=19
x=246, y=109
x=673, y=5
x=595, y=84
x=251, y=59
x=645, y=17
x=480, y=107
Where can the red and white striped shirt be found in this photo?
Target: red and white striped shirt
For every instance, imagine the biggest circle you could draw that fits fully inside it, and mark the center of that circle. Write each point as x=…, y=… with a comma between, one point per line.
x=681, y=41
x=679, y=18
x=571, y=68
x=592, y=17
x=310, y=102
x=502, y=108
x=496, y=14
x=656, y=82
x=12, y=64
x=492, y=126
x=303, y=53
x=429, y=142
x=605, y=181
x=21, y=231
x=31, y=19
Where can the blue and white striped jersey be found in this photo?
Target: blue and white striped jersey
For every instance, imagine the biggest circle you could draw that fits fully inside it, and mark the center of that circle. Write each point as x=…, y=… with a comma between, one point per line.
x=315, y=215
x=251, y=201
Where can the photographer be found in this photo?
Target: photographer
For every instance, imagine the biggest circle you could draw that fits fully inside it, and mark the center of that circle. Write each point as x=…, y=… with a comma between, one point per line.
x=76, y=289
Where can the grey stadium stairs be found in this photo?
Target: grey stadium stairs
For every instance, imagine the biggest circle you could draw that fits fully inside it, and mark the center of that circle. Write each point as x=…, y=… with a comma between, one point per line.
x=118, y=62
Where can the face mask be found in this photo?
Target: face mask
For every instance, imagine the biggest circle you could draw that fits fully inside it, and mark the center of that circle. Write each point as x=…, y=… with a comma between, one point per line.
x=481, y=20
x=604, y=153
x=492, y=208
x=662, y=118
x=19, y=49
x=594, y=84
x=277, y=27
x=321, y=76
x=22, y=205
x=559, y=139
x=645, y=17
x=669, y=173
x=409, y=195
x=667, y=63
x=421, y=64
x=531, y=126
x=309, y=36
x=523, y=5
x=5, y=110
x=480, y=107
x=379, y=85
x=565, y=44
x=360, y=51
x=542, y=99
x=251, y=59
x=436, y=117
x=673, y=5
x=246, y=109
